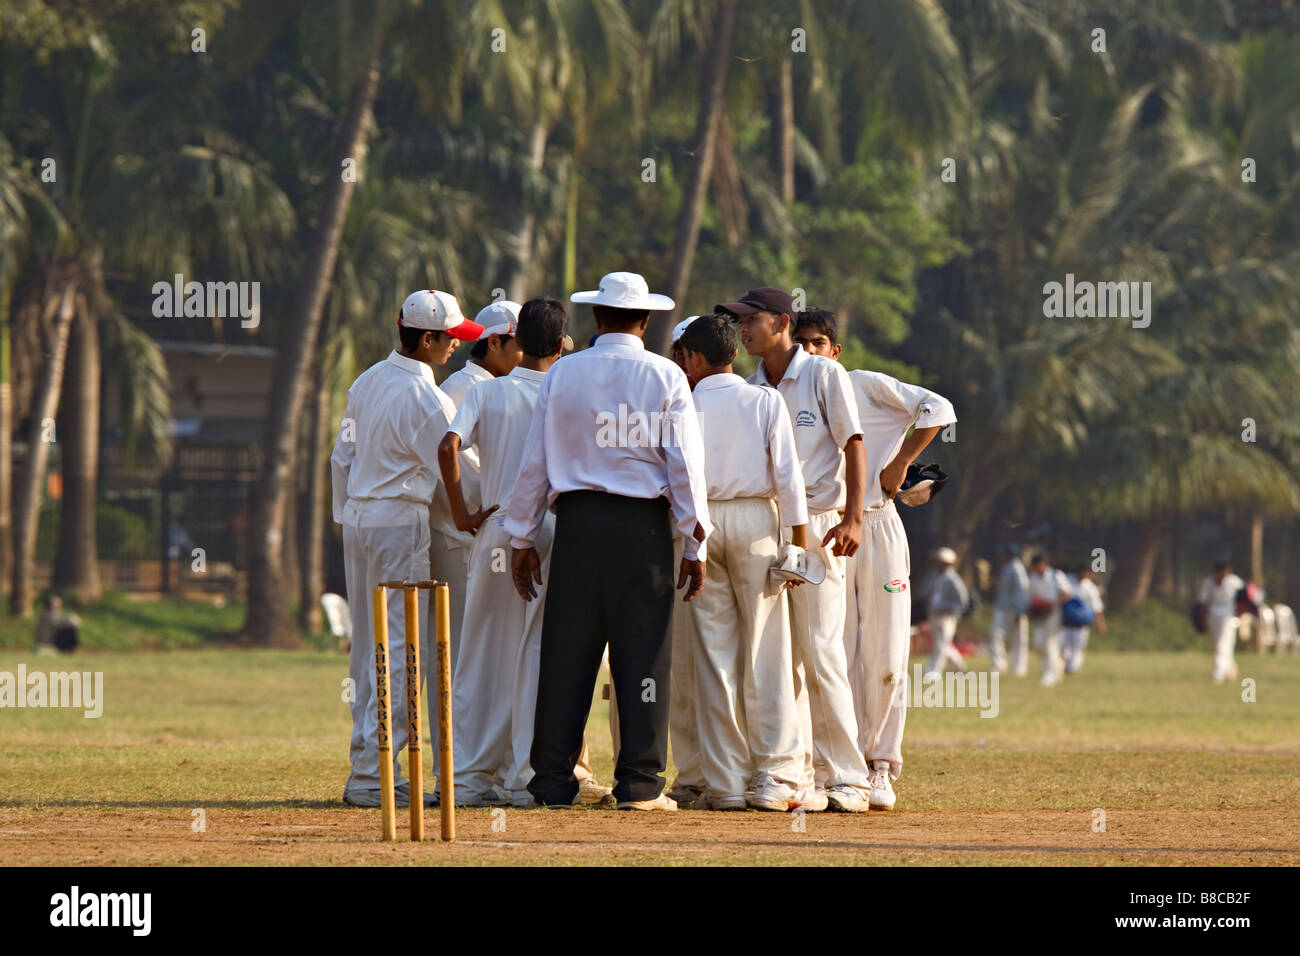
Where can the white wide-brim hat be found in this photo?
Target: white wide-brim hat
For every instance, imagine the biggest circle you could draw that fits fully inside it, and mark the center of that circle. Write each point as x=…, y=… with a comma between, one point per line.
x=946, y=556
x=624, y=290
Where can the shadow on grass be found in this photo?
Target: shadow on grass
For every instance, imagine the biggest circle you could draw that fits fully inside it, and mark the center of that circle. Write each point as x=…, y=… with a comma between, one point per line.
x=180, y=804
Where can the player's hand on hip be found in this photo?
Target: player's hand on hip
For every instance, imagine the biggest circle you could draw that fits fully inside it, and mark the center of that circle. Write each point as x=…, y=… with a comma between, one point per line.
x=846, y=535
x=474, y=521
x=891, y=477
x=692, y=573
x=526, y=569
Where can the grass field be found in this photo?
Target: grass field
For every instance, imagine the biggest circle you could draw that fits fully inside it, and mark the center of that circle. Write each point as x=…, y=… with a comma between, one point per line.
x=1185, y=771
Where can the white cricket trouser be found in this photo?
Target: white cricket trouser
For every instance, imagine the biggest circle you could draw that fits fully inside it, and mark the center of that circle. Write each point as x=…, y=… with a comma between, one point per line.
x=1223, y=632
x=878, y=635
x=743, y=670
x=449, y=563
x=1004, y=620
x=493, y=697
x=1074, y=641
x=372, y=555
x=943, y=628
x=682, y=736
x=829, y=727
x=1047, y=639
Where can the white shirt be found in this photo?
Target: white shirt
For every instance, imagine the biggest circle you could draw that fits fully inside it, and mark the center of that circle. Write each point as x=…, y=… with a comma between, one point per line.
x=1221, y=596
x=494, y=418
x=1049, y=585
x=387, y=447
x=749, y=445
x=887, y=408
x=463, y=379
x=819, y=399
x=618, y=419
x=1088, y=592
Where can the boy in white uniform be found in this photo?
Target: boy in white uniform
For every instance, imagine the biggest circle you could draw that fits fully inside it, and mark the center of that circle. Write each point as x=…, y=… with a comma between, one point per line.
x=947, y=601
x=494, y=354
x=1219, y=595
x=1049, y=588
x=1074, y=640
x=878, y=621
x=748, y=729
x=1009, y=607
x=819, y=400
x=495, y=691
x=384, y=475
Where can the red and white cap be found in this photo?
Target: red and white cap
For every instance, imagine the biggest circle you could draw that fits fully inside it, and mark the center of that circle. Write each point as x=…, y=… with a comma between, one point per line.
x=438, y=312
x=499, y=318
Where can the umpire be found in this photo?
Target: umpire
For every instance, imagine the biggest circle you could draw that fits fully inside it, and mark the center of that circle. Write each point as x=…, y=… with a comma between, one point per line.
x=614, y=449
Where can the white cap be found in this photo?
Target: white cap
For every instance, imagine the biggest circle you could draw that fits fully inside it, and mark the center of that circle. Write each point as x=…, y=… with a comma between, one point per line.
x=499, y=318
x=624, y=290
x=681, y=327
x=438, y=312
x=946, y=556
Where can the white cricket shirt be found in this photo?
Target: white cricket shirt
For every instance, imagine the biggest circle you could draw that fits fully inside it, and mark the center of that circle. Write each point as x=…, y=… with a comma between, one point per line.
x=618, y=419
x=819, y=400
x=494, y=418
x=386, y=450
x=749, y=445
x=887, y=408
x=1088, y=592
x=1051, y=585
x=1221, y=596
x=463, y=379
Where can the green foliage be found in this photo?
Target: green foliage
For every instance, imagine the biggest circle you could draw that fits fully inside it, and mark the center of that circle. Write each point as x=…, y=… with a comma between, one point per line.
x=1153, y=625
x=121, y=534
x=122, y=623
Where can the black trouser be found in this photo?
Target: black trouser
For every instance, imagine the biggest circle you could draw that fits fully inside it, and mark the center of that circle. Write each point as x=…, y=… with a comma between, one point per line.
x=611, y=582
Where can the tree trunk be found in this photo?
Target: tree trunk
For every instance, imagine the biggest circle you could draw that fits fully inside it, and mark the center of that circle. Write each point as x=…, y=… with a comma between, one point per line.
x=76, y=563
x=312, y=520
x=1133, y=587
x=6, y=446
x=1257, y=550
x=697, y=183
x=521, y=272
x=783, y=128
x=269, y=621
x=56, y=320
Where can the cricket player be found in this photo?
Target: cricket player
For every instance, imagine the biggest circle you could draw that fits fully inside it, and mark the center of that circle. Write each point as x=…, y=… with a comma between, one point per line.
x=682, y=738
x=898, y=421
x=1074, y=638
x=1049, y=588
x=819, y=400
x=1219, y=594
x=947, y=601
x=748, y=728
x=1009, y=609
x=496, y=672
x=494, y=354
x=385, y=474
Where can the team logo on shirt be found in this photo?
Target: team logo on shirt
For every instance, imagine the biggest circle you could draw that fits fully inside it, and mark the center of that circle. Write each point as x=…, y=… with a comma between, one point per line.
x=896, y=586
x=805, y=419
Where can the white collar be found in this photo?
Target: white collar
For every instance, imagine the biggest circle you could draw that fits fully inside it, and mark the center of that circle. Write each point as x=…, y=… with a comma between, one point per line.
x=792, y=371
x=414, y=366
x=530, y=374
x=615, y=339
x=719, y=380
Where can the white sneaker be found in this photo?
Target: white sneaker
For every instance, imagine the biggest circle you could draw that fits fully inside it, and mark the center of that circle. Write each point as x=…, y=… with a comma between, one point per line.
x=811, y=800
x=773, y=795
x=592, y=791
x=711, y=801
x=882, y=795
x=495, y=797
x=847, y=799
x=661, y=802
x=522, y=799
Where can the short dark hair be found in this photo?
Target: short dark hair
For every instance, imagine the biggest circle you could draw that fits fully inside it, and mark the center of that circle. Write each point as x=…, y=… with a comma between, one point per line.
x=611, y=317
x=541, y=327
x=714, y=337
x=823, y=320
x=1040, y=556
x=410, y=337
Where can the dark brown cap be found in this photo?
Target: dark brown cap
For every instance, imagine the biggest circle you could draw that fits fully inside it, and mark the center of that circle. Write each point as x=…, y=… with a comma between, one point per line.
x=776, y=301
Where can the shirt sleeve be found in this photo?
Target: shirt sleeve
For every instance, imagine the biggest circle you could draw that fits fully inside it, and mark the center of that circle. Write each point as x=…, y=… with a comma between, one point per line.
x=926, y=409
x=465, y=424
x=345, y=452
x=532, y=487
x=838, y=403
x=688, y=490
x=783, y=457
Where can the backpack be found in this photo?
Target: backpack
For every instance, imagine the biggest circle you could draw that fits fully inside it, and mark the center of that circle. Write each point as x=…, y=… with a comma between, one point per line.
x=1077, y=612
